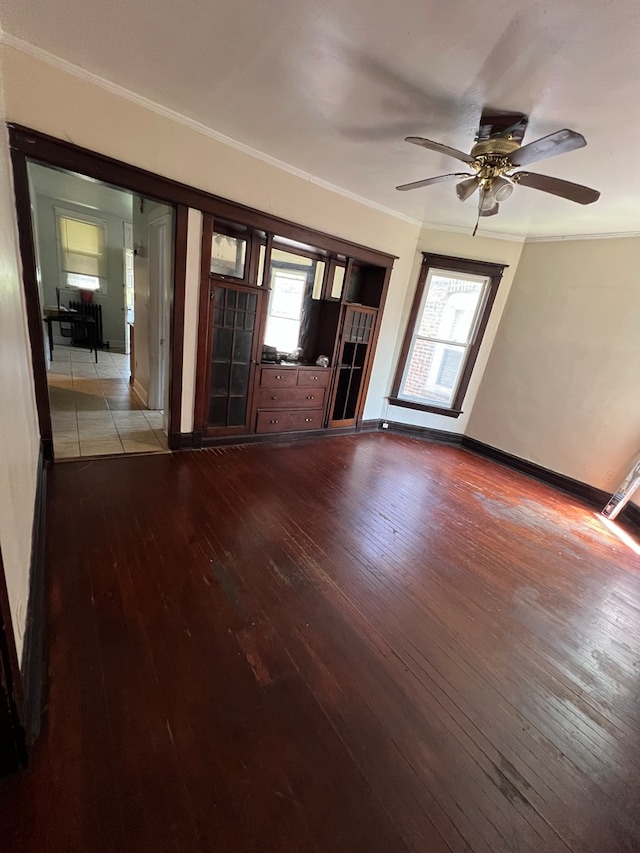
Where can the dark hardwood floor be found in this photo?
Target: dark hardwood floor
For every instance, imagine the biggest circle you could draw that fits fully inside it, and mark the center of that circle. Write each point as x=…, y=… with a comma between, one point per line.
x=351, y=644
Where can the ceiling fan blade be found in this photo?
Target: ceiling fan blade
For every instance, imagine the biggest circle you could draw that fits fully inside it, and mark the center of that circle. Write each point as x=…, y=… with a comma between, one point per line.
x=466, y=189
x=555, y=186
x=548, y=146
x=438, y=146
x=414, y=185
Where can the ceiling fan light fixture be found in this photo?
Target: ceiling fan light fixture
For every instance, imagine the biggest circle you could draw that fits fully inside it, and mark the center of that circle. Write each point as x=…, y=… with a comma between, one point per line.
x=465, y=189
x=501, y=188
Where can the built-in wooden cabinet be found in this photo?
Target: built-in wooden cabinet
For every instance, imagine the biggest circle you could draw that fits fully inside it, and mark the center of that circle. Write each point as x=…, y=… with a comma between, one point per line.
x=270, y=307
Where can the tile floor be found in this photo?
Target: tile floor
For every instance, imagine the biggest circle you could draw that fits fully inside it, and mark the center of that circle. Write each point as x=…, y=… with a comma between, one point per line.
x=93, y=410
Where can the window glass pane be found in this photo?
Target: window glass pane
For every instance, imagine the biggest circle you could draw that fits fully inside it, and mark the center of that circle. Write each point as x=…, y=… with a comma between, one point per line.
x=228, y=255
x=433, y=371
x=338, y=281
x=82, y=247
x=451, y=306
x=317, y=281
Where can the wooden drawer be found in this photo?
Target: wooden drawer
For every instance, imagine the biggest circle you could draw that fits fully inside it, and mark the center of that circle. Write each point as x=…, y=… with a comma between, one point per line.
x=278, y=376
x=317, y=376
x=288, y=421
x=290, y=398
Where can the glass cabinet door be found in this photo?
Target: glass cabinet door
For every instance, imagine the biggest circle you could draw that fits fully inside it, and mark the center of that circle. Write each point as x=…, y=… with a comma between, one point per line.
x=233, y=329
x=355, y=347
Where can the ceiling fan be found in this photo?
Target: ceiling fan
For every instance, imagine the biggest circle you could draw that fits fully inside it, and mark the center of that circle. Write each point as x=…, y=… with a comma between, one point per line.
x=497, y=152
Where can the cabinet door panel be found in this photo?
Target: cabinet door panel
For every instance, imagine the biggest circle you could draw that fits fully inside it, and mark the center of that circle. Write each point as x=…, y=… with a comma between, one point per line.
x=233, y=324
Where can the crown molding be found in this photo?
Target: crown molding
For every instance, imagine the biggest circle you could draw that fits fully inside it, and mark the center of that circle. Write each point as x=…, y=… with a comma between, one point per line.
x=192, y=124
x=612, y=235
x=462, y=229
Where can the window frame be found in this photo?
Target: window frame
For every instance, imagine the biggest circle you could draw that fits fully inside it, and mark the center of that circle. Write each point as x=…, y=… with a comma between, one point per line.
x=447, y=263
x=67, y=213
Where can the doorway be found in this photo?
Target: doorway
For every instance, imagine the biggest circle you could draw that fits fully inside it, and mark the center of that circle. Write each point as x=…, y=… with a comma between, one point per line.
x=104, y=268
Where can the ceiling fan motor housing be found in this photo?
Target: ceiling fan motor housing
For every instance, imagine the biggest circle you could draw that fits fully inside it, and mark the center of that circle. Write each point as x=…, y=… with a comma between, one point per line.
x=494, y=148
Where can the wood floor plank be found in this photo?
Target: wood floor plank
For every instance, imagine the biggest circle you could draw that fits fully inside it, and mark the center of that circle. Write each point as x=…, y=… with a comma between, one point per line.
x=367, y=643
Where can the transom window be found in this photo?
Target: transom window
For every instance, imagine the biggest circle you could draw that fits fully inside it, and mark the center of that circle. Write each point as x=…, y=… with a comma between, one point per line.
x=449, y=315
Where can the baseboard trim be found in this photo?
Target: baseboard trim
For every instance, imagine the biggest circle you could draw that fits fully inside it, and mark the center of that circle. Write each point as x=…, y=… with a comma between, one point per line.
x=33, y=652
x=272, y=438
x=577, y=488
x=181, y=441
x=437, y=436
x=140, y=393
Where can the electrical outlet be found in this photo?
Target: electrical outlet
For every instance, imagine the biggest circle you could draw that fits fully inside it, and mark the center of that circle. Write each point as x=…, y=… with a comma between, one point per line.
x=385, y=425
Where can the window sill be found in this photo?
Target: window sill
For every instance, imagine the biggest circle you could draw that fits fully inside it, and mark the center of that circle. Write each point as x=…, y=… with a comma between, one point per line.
x=425, y=407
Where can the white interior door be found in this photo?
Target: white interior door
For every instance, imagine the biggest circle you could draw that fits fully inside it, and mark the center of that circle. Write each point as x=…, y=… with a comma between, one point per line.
x=159, y=288
x=127, y=260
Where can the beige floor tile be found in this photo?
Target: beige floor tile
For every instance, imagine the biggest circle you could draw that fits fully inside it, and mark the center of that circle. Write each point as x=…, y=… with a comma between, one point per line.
x=92, y=432
x=65, y=435
x=100, y=415
x=88, y=403
x=141, y=446
x=100, y=447
x=154, y=419
x=162, y=439
x=65, y=449
x=63, y=417
x=122, y=403
x=136, y=432
x=78, y=356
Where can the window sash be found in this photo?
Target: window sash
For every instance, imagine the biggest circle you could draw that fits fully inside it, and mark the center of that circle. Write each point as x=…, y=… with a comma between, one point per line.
x=82, y=244
x=441, y=343
x=452, y=333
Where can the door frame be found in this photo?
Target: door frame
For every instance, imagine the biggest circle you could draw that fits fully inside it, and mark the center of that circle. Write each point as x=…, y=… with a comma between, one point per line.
x=29, y=145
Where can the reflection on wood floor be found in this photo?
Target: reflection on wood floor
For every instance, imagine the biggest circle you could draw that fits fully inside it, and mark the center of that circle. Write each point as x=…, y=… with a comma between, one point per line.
x=94, y=412
x=360, y=643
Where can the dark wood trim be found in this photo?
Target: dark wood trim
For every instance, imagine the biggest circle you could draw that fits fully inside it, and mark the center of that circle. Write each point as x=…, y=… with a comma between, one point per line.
x=632, y=514
x=13, y=753
x=429, y=260
x=48, y=149
x=422, y=407
x=439, y=436
x=370, y=425
x=177, y=321
x=32, y=301
x=590, y=494
x=204, y=342
x=34, y=655
x=181, y=441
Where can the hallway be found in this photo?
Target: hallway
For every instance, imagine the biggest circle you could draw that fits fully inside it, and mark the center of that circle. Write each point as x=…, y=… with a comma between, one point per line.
x=94, y=412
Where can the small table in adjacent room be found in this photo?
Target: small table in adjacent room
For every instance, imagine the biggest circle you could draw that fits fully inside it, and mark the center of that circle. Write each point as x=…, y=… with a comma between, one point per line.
x=81, y=329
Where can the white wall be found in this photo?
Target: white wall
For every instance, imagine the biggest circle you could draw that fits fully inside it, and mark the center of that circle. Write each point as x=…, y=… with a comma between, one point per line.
x=561, y=386
x=19, y=436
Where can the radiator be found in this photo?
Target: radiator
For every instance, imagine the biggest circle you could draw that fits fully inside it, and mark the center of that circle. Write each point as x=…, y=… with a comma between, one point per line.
x=91, y=309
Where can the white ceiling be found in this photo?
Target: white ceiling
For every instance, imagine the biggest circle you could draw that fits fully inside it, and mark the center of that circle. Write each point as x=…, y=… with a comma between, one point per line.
x=332, y=87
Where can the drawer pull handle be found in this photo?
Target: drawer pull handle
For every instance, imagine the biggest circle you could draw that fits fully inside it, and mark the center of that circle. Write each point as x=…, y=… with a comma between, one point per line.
x=278, y=376
x=308, y=420
x=274, y=396
x=274, y=421
x=314, y=377
x=310, y=397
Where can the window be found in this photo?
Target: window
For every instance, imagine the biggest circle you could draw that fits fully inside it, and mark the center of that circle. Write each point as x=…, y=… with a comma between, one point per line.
x=83, y=251
x=448, y=319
